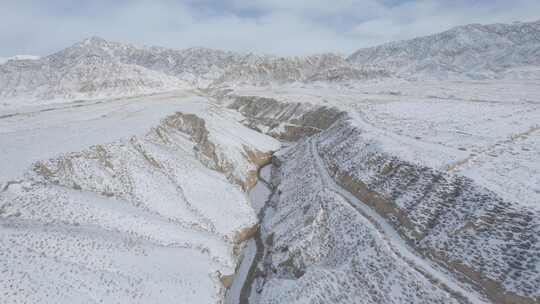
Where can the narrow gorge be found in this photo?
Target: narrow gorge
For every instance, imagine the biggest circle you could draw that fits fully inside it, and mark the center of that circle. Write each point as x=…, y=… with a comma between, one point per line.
x=346, y=213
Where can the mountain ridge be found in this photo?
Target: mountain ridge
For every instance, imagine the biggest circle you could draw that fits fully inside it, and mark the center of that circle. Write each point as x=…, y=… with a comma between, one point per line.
x=474, y=50
x=97, y=68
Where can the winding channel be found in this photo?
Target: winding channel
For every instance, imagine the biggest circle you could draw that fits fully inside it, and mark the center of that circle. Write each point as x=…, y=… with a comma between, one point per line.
x=240, y=290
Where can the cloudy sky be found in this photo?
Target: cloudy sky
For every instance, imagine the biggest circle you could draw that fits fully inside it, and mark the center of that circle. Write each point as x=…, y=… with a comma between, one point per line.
x=288, y=27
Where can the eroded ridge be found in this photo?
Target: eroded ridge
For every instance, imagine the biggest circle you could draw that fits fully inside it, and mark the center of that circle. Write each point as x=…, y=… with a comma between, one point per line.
x=118, y=221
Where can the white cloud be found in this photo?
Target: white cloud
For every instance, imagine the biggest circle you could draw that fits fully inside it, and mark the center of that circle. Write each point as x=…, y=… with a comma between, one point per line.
x=413, y=19
x=263, y=26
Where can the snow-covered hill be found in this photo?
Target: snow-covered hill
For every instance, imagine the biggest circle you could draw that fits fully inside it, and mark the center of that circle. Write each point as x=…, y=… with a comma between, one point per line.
x=131, y=200
x=78, y=73
x=471, y=51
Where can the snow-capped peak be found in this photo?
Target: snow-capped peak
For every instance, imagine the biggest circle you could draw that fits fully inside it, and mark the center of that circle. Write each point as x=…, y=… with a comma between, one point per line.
x=94, y=40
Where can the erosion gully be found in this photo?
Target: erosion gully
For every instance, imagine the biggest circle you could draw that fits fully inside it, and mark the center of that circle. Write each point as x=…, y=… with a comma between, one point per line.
x=241, y=289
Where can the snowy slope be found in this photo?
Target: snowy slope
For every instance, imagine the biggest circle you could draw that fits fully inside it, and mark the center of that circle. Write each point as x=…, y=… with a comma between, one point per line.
x=78, y=75
x=459, y=187
x=471, y=51
x=321, y=248
x=132, y=200
x=435, y=123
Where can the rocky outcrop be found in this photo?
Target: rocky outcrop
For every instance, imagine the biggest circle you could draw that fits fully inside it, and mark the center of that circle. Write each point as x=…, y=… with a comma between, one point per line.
x=283, y=120
x=165, y=134
x=162, y=198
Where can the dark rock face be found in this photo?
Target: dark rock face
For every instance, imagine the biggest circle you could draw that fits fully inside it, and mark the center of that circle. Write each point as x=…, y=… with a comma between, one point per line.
x=285, y=121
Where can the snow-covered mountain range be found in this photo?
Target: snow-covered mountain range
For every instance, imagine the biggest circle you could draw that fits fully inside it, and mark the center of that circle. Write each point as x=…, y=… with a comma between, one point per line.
x=99, y=68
